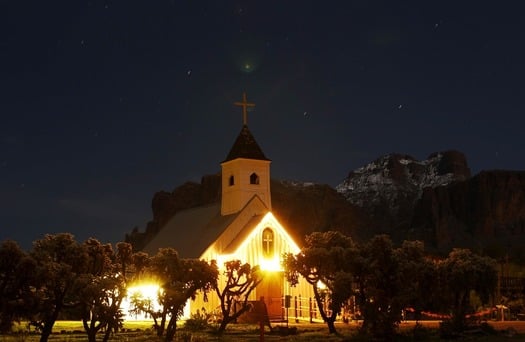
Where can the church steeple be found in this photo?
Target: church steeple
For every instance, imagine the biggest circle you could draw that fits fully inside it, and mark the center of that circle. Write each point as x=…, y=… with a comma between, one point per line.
x=245, y=171
x=245, y=146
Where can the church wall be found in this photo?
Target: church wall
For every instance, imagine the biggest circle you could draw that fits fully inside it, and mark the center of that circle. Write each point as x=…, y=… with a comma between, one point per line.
x=251, y=251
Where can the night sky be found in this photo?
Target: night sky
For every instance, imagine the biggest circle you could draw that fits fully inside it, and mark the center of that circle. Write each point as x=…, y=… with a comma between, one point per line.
x=104, y=103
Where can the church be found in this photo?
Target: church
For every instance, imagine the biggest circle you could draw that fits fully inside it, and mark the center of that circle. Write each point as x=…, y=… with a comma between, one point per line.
x=241, y=226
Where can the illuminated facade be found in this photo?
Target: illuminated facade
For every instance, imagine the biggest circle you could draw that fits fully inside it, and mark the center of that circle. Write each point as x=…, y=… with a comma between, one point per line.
x=241, y=227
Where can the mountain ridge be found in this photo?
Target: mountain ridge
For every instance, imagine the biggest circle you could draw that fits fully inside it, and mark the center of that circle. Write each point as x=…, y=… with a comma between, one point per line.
x=435, y=200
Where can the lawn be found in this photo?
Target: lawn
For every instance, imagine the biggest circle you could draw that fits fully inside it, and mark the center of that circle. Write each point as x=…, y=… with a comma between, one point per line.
x=141, y=331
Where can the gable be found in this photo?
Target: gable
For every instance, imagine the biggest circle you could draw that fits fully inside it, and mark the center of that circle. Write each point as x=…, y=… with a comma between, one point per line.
x=251, y=245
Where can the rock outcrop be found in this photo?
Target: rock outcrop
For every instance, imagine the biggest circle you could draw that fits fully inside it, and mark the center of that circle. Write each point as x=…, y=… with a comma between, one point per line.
x=388, y=188
x=486, y=211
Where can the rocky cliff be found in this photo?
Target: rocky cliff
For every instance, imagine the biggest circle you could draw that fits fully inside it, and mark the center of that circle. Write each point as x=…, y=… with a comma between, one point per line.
x=388, y=188
x=484, y=212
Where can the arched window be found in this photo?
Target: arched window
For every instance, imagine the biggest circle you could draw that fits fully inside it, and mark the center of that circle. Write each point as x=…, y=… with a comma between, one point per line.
x=254, y=178
x=231, y=181
x=268, y=242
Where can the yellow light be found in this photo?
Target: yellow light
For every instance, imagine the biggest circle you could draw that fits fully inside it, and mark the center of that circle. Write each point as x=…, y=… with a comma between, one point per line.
x=270, y=220
x=270, y=264
x=273, y=264
x=145, y=291
x=321, y=285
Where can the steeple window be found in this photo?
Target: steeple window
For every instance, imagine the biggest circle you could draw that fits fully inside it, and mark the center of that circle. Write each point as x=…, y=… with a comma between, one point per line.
x=254, y=178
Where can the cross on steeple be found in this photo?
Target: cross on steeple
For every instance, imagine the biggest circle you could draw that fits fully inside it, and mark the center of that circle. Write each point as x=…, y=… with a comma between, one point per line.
x=244, y=104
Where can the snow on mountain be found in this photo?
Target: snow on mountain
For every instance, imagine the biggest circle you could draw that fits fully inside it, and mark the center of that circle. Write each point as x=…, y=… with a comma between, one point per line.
x=396, y=178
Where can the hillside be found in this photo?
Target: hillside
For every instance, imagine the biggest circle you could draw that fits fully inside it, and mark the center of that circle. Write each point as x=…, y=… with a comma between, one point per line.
x=435, y=200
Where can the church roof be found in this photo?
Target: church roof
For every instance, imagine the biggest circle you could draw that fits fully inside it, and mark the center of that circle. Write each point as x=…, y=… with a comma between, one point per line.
x=243, y=234
x=191, y=231
x=245, y=146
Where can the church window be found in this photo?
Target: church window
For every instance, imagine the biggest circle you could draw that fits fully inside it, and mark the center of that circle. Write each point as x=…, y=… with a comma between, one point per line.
x=267, y=242
x=254, y=178
x=231, y=182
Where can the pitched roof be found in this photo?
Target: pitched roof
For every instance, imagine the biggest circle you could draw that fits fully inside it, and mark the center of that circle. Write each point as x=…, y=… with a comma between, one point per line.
x=245, y=146
x=243, y=234
x=191, y=231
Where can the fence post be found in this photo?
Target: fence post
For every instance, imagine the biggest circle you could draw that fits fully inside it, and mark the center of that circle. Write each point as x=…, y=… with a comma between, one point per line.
x=311, y=311
x=295, y=306
x=300, y=307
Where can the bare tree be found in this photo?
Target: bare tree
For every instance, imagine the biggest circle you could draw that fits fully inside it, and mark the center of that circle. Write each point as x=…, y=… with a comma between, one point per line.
x=241, y=280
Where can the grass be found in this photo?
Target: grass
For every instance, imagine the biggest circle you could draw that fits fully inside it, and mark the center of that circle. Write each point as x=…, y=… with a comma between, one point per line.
x=141, y=331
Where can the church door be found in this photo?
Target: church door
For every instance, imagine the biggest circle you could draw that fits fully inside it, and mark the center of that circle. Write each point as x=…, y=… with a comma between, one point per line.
x=271, y=288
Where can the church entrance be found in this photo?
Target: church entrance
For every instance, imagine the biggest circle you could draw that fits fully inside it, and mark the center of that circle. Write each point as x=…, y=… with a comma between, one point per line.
x=271, y=288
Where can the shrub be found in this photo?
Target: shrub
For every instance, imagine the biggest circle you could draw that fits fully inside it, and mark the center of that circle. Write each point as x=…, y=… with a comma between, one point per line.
x=198, y=321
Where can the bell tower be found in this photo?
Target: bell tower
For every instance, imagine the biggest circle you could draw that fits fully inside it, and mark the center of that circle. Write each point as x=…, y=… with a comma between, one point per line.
x=245, y=171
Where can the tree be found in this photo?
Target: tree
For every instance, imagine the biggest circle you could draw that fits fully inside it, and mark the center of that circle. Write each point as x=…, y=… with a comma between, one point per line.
x=60, y=262
x=460, y=273
x=325, y=263
x=180, y=280
x=380, y=287
x=140, y=263
x=419, y=277
x=241, y=280
x=16, y=270
x=103, y=288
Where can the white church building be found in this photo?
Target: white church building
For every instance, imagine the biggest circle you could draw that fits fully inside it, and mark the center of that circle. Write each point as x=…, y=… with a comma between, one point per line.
x=241, y=226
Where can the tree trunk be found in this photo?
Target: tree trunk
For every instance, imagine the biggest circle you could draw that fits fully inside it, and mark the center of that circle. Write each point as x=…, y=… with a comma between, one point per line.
x=227, y=319
x=223, y=325
x=160, y=328
x=91, y=328
x=171, y=329
x=92, y=336
x=48, y=325
x=331, y=326
x=107, y=334
x=46, y=331
x=329, y=320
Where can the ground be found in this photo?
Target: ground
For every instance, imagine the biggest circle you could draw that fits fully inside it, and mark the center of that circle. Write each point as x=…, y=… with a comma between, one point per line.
x=141, y=331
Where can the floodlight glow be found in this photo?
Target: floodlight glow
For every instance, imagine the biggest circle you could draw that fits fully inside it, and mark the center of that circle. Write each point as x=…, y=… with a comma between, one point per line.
x=143, y=291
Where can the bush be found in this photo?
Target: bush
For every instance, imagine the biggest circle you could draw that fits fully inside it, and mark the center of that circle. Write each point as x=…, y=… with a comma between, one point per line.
x=198, y=321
